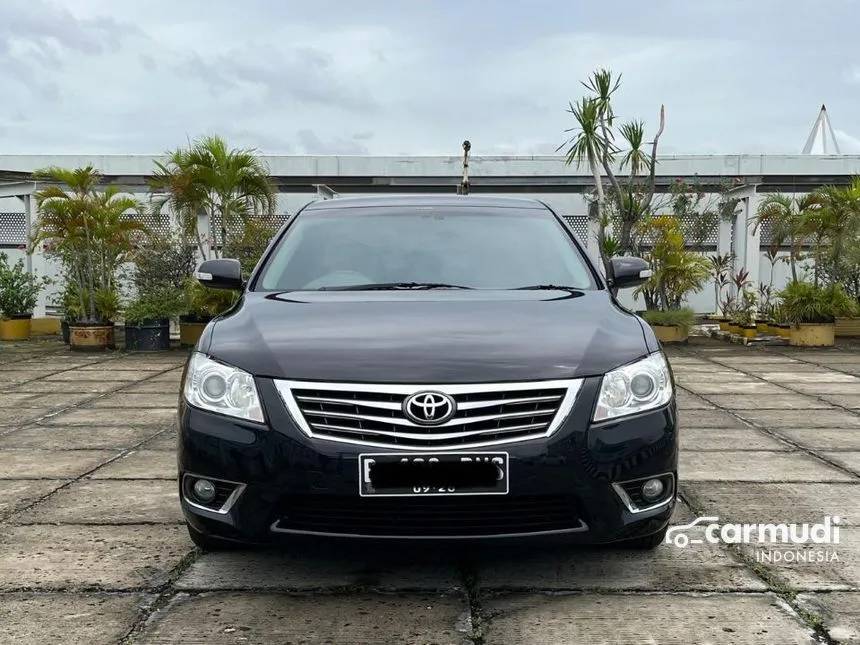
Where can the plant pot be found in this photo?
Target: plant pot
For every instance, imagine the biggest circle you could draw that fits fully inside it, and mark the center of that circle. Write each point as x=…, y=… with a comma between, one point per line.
x=847, y=327
x=749, y=331
x=763, y=326
x=783, y=330
x=190, y=329
x=148, y=336
x=90, y=337
x=64, y=331
x=725, y=325
x=670, y=333
x=734, y=328
x=16, y=327
x=812, y=335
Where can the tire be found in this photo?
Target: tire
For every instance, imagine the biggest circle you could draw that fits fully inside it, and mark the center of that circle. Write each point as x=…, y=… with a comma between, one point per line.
x=647, y=542
x=208, y=543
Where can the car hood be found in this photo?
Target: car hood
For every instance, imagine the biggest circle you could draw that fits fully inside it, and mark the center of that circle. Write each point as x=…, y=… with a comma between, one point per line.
x=427, y=336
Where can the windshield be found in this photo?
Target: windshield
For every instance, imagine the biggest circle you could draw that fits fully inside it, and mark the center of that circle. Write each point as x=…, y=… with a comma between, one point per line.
x=499, y=249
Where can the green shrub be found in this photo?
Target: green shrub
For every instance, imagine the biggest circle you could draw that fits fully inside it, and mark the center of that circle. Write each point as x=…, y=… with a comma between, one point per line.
x=671, y=318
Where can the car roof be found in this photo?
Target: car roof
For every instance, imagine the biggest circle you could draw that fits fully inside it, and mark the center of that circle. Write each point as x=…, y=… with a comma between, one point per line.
x=458, y=201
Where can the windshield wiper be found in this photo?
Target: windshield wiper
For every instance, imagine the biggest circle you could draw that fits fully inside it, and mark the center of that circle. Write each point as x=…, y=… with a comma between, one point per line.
x=549, y=287
x=393, y=286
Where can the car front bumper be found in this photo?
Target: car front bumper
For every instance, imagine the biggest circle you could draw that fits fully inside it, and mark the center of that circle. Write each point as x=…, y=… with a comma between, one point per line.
x=274, y=482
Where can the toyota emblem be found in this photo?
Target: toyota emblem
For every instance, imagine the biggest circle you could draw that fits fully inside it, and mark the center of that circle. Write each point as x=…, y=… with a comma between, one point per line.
x=429, y=408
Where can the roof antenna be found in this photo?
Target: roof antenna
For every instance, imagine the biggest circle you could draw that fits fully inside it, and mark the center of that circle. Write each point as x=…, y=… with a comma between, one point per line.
x=463, y=188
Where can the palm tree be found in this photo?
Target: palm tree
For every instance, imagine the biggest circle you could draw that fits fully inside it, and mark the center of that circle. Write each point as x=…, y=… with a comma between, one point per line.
x=228, y=185
x=789, y=221
x=593, y=142
x=88, y=229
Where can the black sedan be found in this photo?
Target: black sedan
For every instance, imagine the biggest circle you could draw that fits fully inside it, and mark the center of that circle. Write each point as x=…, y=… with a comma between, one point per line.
x=427, y=368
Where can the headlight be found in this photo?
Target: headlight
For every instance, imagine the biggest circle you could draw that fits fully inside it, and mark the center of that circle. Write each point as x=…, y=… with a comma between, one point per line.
x=638, y=387
x=221, y=388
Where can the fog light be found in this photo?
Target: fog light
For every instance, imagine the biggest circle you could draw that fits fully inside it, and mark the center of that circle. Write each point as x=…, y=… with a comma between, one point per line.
x=204, y=490
x=652, y=489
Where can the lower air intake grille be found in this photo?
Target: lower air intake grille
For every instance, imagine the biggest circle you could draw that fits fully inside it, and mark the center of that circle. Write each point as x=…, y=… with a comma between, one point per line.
x=429, y=517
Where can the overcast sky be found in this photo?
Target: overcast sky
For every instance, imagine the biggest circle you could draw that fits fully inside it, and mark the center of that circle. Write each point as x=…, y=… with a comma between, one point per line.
x=418, y=76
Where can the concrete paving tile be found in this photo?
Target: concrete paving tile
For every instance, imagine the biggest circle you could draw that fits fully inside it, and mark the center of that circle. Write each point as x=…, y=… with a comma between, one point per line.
x=687, y=401
x=16, y=399
x=852, y=389
x=58, y=400
x=109, y=416
x=57, y=437
x=768, y=402
x=779, y=419
x=809, y=376
x=845, y=400
x=108, y=502
x=743, y=359
x=135, y=366
x=71, y=619
x=813, y=567
x=126, y=399
x=756, y=466
x=825, y=438
x=602, y=619
x=72, y=557
x=714, y=375
x=164, y=441
x=11, y=379
x=141, y=464
x=709, y=419
x=753, y=387
x=848, y=459
x=98, y=375
x=265, y=619
x=68, y=387
x=325, y=567
x=707, y=567
x=50, y=464
x=840, y=613
x=21, y=416
x=16, y=494
x=694, y=439
x=765, y=503
x=153, y=387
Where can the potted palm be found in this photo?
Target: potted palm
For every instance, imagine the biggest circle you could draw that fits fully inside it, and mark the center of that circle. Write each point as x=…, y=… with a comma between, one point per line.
x=811, y=310
x=19, y=293
x=148, y=316
x=88, y=231
x=676, y=273
x=201, y=305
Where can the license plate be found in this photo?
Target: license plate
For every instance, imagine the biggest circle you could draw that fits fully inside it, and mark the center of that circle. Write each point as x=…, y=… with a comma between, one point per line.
x=401, y=474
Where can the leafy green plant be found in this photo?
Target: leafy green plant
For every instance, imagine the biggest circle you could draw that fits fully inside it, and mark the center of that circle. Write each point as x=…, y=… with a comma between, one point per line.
x=806, y=302
x=19, y=290
x=89, y=231
x=682, y=317
x=676, y=272
x=155, y=305
x=249, y=245
x=202, y=304
x=721, y=265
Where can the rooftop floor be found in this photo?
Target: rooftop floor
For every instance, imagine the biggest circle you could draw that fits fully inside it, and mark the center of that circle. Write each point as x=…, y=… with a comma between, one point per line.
x=93, y=549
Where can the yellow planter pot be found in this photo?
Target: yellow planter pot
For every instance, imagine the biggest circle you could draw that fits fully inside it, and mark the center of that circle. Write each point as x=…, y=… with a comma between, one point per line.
x=749, y=332
x=189, y=333
x=812, y=335
x=724, y=325
x=847, y=327
x=90, y=338
x=670, y=333
x=15, y=329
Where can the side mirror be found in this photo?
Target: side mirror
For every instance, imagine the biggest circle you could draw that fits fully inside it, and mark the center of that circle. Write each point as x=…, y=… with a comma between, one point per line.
x=628, y=272
x=221, y=274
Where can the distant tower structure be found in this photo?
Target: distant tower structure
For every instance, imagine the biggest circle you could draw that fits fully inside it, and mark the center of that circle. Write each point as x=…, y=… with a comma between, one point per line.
x=817, y=143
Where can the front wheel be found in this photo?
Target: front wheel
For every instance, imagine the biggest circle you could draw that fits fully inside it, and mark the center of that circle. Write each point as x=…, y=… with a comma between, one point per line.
x=208, y=543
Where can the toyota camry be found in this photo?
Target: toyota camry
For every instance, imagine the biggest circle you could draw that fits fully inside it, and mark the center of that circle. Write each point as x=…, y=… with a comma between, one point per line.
x=427, y=368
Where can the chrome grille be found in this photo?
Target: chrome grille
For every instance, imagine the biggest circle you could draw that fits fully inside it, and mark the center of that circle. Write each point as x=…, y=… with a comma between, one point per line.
x=373, y=415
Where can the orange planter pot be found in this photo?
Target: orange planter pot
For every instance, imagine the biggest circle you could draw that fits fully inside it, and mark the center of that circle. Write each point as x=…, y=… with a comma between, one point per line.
x=90, y=338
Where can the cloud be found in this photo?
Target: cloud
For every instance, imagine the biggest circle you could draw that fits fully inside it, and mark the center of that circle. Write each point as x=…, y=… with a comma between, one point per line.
x=376, y=77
